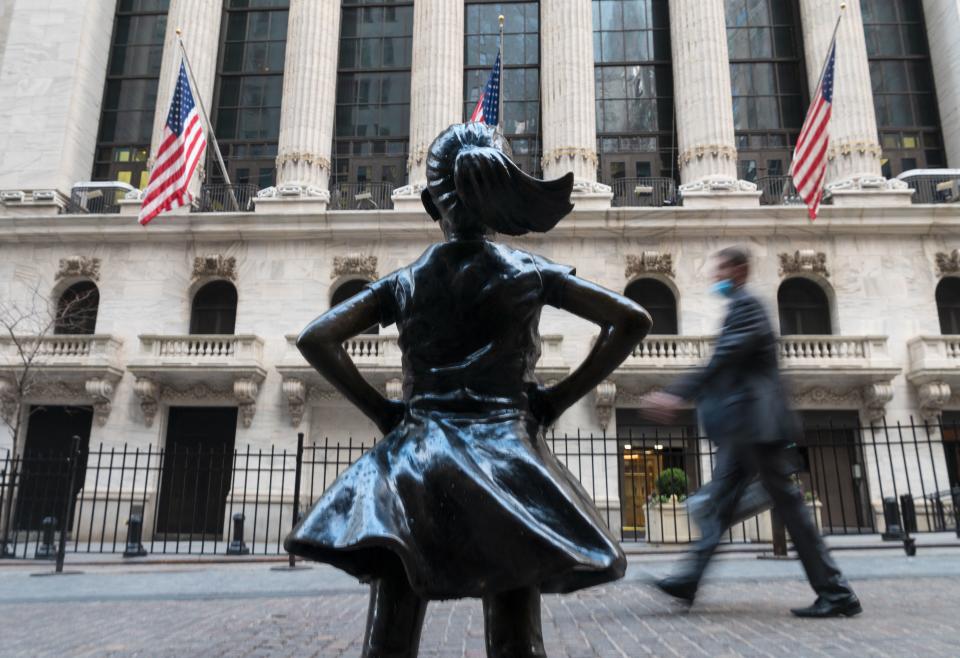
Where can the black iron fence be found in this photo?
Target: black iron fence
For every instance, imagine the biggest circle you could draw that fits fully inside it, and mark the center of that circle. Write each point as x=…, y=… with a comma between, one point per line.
x=641, y=192
x=778, y=191
x=372, y=195
x=226, y=198
x=888, y=480
x=933, y=186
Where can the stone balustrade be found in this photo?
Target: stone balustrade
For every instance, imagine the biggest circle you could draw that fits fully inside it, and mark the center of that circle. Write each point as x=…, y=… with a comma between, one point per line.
x=202, y=349
x=933, y=370
x=832, y=351
x=62, y=349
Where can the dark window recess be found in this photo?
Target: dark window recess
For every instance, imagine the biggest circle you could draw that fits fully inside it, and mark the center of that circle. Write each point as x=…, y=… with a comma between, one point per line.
x=769, y=85
x=951, y=445
x=77, y=309
x=249, y=90
x=948, y=306
x=45, y=474
x=633, y=78
x=214, y=309
x=659, y=301
x=130, y=93
x=197, y=471
x=372, y=121
x=804, y=308
x=345, y=291
x=520, y=86
x=904, y=94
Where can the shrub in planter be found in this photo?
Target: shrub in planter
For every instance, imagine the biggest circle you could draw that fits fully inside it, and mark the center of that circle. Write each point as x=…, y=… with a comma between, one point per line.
x=672, y=482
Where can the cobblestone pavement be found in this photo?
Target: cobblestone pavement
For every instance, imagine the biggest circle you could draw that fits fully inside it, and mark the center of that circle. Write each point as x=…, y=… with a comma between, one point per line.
x=251, y=611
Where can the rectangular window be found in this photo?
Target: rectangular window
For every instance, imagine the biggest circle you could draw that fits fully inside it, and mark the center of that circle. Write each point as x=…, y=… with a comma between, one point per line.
x=767, y=77
x=520, y=86
x=634, y=91
x=249, y=90
x=372, y=122
x=130, y=93
x=903, y=90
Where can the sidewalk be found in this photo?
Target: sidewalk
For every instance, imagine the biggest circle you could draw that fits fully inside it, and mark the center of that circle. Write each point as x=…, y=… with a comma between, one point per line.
x=254, y=610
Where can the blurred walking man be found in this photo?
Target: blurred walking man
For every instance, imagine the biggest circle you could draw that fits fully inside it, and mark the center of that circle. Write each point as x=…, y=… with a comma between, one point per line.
x=743, y=408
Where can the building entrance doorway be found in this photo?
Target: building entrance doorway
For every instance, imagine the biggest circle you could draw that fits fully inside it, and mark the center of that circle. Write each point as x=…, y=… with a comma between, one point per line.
x=833, y=474
x=197, y=471
x=45, y=469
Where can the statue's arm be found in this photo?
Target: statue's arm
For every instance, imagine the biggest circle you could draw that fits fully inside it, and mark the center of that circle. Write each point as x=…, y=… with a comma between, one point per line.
x=321, y=343
x=623, y=323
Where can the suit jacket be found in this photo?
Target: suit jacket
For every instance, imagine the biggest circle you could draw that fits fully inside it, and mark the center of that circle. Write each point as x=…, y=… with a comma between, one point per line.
x=739, y=394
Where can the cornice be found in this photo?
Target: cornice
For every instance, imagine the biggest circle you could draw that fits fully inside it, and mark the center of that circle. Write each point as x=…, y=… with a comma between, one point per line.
x=662, y=223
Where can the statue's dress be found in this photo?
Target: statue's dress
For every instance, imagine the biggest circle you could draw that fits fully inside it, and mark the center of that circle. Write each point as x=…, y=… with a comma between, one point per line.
x=464, y=491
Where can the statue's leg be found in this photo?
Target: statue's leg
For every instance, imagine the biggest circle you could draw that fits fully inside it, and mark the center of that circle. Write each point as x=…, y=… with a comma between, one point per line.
x=512, y=622
x=394, y=619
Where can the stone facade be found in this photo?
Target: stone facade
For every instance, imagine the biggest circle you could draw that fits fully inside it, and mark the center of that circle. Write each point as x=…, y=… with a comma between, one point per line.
x=878, y=258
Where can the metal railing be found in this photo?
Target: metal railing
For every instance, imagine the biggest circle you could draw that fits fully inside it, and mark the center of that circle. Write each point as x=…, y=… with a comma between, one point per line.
x=890, y=480
x=97, y=197
x=778, y=191
x=375, y=195
x=933, y=185
x=644, y=192
x=226, y=198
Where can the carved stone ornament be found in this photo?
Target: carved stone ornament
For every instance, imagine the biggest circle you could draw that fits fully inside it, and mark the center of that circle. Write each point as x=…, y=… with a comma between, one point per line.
x=9, y=404
x=718, y=183
x=355, y=265
x=149, y=395
x=215, y=265
x=804, y=261
x=80, y=267
x=948, y=263
x=606, y=398
x=933, y=397
x=295, y=391
x=875, y=399
x=245, y=390
x=818, y=396
x=101, y=390
x=649, y=262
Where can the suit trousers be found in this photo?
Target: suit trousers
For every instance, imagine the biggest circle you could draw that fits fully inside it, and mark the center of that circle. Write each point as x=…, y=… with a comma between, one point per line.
x=737, y=467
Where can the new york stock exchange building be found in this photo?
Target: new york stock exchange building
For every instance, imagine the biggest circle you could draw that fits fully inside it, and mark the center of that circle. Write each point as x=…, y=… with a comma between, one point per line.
x=169, y=351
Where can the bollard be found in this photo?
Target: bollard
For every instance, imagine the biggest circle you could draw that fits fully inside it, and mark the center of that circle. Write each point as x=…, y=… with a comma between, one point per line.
x=134, y=546
x=891, y=519
x=46, y=550
x=237, y=547
x=909, y=512
x=955, y=494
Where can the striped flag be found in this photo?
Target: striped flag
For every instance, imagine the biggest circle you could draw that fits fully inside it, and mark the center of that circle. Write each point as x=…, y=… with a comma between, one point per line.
x=488, y=107
x=177, y=158
x=809, y=168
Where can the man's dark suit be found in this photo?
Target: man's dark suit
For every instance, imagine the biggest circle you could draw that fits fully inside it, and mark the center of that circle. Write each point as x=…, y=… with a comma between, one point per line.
x=744, y=410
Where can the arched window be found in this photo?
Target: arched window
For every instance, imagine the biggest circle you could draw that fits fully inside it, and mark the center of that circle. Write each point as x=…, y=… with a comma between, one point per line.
x=804, y=308
x=77, y=309
x=659, y=301
x=345, y=291
x=948, y=306
x=214, y=309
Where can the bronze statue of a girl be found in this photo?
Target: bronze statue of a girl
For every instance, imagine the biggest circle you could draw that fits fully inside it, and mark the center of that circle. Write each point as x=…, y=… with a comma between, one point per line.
x=462, y=497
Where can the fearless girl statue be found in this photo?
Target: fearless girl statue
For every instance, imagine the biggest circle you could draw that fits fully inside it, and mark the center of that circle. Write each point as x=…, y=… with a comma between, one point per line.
x=462, y=497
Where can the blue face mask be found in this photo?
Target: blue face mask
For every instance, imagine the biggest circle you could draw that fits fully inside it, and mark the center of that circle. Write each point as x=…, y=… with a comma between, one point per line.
x=723, y=287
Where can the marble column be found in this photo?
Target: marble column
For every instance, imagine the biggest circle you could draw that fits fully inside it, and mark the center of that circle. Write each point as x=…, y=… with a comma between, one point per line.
x=568, y=97
x=436, y=87
x=307, y=111
x=199, y=21
x=853, y=171
x=52, y=72
x=943, y=33
x=704, y=107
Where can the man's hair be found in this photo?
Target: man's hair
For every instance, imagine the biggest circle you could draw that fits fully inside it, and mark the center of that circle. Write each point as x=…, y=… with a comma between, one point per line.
x=735, y=256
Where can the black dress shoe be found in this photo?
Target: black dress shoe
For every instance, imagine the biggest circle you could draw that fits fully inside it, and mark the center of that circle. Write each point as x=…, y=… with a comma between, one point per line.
x=678, y=588
x=822, y=607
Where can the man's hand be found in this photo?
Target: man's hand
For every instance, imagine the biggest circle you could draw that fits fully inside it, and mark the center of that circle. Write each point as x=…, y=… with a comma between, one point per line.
x=660, y=407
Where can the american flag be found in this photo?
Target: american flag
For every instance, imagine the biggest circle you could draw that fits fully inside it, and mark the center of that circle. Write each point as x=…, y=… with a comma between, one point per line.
x=178, y=155
x=809, y=168
x=488, y=107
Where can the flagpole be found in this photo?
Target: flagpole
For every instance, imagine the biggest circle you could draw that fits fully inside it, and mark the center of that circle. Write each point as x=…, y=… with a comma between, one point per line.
x=500, y=18
x=836, y=28
x=206, y=120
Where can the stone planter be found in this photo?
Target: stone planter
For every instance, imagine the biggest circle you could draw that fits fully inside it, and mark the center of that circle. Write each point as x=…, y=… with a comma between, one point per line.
x=669, y=523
